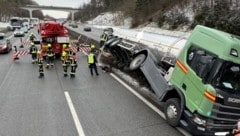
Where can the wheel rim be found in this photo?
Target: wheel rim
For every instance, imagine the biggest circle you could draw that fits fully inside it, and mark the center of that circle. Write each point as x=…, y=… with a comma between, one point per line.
x=137, y=62
x=172, y=112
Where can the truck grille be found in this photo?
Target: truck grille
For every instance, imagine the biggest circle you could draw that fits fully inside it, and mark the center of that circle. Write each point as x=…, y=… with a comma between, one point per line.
x=224, y=117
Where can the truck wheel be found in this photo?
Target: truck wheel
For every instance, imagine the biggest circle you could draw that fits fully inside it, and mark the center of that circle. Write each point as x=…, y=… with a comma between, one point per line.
x=172, y=111
x=137, y=61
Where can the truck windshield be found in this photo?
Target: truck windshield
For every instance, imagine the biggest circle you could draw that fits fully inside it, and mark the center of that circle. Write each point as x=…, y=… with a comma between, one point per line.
x=228, y=77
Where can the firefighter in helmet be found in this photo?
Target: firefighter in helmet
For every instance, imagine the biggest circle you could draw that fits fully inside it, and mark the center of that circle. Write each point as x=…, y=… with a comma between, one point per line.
x=65, y=63
x=93, y=48
x=33, y=52
x=91, y=59
x=31, y=37
x=103, y=38
x=50, y=56
x=73, y=64
x=67, y=48
x=40, y=63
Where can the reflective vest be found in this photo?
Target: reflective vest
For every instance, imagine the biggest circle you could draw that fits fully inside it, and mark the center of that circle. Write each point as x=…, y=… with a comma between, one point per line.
x=73, y=61
x=34, y=49
x=103, y=37
x=91, y=58
x=50, y=54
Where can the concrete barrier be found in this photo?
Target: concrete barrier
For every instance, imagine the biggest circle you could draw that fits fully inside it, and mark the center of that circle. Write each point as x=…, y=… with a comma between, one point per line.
x=84, y=38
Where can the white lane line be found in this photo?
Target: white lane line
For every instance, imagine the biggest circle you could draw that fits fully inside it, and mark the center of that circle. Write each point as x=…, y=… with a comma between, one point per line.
x=149, y=104
x=74, y=115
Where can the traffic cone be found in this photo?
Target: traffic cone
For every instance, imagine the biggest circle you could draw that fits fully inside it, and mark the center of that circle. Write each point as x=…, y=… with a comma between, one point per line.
x=15, y=56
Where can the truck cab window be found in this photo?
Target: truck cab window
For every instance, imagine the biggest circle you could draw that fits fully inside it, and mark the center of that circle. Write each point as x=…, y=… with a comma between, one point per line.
x=200, y=61
x=229, y=78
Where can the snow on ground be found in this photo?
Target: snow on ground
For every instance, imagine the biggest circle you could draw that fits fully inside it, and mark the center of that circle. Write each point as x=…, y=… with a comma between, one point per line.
x=3, y=25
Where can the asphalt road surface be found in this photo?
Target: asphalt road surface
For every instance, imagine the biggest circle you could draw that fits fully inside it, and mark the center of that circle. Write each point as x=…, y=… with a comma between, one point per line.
x=62, y=106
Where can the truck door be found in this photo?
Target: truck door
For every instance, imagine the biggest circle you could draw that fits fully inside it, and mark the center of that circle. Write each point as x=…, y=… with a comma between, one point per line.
x=200, y=63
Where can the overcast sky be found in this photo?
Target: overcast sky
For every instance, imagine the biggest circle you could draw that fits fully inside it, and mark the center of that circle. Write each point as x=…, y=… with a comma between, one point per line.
x=60, y=3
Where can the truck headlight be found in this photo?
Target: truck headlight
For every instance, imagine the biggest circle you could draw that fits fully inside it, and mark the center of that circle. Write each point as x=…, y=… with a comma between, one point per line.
x=199, y=121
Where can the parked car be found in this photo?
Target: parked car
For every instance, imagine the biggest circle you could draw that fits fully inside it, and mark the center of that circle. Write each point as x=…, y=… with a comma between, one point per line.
x=88, y=29
x=18, y=32
x=5, y=46
x=2, y=35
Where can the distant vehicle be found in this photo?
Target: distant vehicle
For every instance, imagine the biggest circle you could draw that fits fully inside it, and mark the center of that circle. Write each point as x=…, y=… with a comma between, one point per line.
x=74, y=26
x=26, y=23
x=15, y=23
x=18, y=32
x=34, y=21
x=25, y=29
x=88, y=29
x=5, y=46
x=2, y=35
x=31, y=26
x=108, y=29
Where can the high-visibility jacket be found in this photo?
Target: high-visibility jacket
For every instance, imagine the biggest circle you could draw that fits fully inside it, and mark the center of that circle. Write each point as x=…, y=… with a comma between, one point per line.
x=103, y=37
x=33, y=49
x=73, y=61
x=50, y=53
x=91, y=58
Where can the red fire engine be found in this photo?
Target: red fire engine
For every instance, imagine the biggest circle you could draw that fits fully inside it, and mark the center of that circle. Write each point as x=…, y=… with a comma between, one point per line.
x=54, y=33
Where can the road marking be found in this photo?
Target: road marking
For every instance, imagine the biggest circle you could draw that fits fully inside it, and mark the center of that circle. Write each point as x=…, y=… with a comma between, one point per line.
x=74, y=115
x=149, y=104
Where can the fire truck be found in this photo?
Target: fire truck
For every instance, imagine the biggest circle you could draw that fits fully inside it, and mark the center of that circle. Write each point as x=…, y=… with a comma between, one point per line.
x=54, y=33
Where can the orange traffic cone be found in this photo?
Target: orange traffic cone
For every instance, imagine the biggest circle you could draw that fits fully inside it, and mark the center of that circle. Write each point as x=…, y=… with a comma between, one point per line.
x=15, y=54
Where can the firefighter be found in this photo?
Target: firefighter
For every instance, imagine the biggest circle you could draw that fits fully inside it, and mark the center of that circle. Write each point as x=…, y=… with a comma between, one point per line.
x=67, y=48
x=93, y=48
x=91, y=59
x=33, y=52
x=40, y=64
x=50, y=56
x=32, y=37
x=73, y=64
x=65, y=63
x=103, y=38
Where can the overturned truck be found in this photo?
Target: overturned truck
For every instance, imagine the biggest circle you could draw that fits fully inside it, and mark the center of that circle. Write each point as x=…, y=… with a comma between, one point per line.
x=200, y=86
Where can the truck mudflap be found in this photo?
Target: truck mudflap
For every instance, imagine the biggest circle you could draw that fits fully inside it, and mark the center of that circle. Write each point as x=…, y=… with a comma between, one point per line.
x=154, y=76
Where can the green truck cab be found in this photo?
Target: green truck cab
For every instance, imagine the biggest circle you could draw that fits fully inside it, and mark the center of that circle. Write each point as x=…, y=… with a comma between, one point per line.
x=207, y=74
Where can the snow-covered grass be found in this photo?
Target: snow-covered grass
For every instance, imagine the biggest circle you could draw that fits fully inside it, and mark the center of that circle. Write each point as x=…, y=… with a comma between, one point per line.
x=3, y=26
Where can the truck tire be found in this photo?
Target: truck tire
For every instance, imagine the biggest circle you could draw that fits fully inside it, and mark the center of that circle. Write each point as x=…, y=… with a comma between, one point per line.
x=172, y=111
x=137, y=61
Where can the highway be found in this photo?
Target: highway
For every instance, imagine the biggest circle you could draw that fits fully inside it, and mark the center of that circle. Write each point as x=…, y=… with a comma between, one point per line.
x=62, y=106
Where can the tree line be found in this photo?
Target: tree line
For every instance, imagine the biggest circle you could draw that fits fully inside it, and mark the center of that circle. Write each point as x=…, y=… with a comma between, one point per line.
x=172, y=14
x=9, y=8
